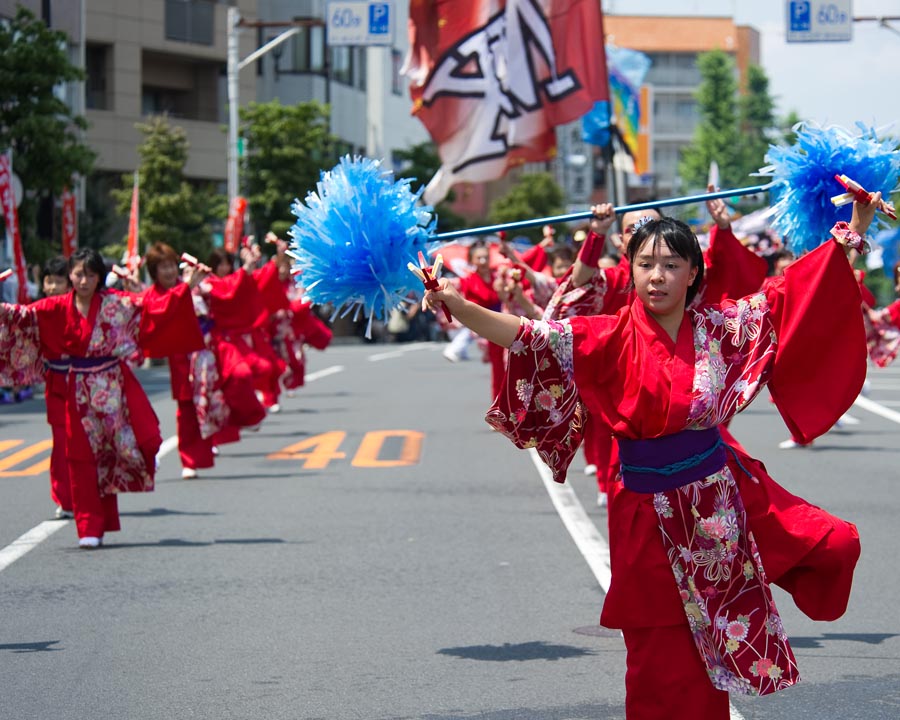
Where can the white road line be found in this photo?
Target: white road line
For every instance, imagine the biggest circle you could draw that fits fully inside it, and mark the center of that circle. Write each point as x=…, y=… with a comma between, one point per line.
x=319, y=374
x=587, y=537
x=34, y=537
x=412, y=347
x=874, y=407
x=588, y=540
x=30, y=540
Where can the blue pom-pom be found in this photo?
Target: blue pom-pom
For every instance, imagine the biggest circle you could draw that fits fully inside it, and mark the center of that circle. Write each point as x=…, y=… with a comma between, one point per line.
x=804, y=213
x=355, y=235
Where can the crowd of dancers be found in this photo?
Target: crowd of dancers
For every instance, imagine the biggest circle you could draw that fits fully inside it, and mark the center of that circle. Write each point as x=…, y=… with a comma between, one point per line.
x=234, y=338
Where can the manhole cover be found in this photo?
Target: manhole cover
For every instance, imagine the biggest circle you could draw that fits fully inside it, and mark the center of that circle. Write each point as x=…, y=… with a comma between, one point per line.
x=598, y=631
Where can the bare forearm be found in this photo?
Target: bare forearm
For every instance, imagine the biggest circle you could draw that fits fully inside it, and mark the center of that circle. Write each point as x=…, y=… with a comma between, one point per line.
x=499, y=328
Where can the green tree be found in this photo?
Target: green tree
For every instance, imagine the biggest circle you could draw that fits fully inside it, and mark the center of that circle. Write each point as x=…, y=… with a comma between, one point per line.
x=38, y=126
x=534, y=195
x=421, y=162
x=172, y=209
x=287, y=148
x=757, y=111
x=717, y=135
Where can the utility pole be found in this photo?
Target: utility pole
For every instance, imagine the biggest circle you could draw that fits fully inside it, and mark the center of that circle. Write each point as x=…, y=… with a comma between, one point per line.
x=234, y=67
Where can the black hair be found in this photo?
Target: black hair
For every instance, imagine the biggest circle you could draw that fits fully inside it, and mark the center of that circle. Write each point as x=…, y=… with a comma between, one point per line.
x=219, y=256
x=93, y=261
x=680, y=239
x=58, y=266
x=477, y=245
x=562, y=252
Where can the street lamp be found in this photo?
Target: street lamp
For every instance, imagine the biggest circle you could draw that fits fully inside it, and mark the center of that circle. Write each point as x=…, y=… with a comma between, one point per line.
x=234, y=67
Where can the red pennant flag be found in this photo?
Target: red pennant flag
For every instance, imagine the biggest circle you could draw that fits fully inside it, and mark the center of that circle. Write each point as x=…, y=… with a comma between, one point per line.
x=69, y=223
x=11, y=218
x=490, y=79
x=234, y=226
x=132, y=251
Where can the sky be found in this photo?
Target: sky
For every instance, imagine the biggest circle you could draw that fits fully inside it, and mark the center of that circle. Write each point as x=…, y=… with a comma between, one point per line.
x=833, y=83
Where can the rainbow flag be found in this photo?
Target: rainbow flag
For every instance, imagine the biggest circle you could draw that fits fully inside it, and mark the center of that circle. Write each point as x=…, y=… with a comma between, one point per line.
x=627, y=70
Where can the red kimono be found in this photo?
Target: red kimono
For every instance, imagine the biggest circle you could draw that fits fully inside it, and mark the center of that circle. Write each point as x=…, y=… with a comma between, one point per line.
x=704, y=552
x=883, y=333
x=112, y=433
x=291, y=329
x=730, y=270
x=202, y=411
x=236, y=309
x=481, y=292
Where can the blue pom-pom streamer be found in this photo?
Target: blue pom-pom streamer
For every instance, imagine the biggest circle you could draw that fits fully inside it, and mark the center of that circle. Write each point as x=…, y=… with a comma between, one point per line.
x=804, y=212
x=355, y=235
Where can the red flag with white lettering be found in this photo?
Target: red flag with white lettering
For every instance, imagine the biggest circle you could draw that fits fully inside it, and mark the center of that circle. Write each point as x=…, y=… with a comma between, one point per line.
x=132, y=257
x=490, y=79
x=11, y=219
x=69, y=223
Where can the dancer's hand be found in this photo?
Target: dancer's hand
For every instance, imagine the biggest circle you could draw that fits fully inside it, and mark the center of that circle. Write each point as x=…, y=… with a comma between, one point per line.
x=718, y=209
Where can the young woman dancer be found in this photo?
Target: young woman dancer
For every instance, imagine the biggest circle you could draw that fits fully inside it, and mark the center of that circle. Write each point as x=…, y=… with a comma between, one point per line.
x=699, y=529
x=88, y=336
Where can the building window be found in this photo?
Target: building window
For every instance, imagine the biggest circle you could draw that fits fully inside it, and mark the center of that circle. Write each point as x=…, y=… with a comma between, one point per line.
x=675, y=114
x=342, y=65
x=97, y=85
x=190, y=21
x=673, y=69
x=307, y=52
x=396, y=77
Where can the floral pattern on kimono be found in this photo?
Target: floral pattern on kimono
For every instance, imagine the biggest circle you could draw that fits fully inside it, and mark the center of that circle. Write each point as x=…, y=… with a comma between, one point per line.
x=588, y=299
x=209, y=400
x=715, y=562
x=20, y=347
x=883, y=334
x=101, y=403
x=734, y=347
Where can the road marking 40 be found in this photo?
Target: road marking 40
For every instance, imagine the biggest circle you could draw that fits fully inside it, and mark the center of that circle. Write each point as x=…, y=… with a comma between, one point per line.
x=319, y=450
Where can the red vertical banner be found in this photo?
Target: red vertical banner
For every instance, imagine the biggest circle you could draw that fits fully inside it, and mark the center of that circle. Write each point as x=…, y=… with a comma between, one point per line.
x=11, y=218
x=490, y=79
x=132, y=252
x=234, y=226
x=69, y=223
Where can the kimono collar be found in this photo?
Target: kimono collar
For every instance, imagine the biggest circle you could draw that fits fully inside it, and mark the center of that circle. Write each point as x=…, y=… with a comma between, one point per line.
x=676, y=357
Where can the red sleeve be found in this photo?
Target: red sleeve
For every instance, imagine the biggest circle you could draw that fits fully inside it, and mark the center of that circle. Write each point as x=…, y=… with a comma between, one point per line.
x=894, y=313
x=820, y=364
x=732, y=270
x=535, y=257
x=271, y=289
x=234, y=301
x=169, y=325
x=867, y=297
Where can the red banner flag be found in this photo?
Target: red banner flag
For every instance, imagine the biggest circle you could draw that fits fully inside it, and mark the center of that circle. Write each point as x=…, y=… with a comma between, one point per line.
x=132, y=251
x=11, y=218
x=490, y=79
x=69, y=223
x=234, y=226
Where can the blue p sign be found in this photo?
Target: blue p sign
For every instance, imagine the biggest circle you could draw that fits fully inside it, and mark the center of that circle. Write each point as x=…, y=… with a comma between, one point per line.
x=801, y=17
x=379, y=18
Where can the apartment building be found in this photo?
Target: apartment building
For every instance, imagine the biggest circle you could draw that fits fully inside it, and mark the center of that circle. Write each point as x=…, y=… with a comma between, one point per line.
x=668, y=106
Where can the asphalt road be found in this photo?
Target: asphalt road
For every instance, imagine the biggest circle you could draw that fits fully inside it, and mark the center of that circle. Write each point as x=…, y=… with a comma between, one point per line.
x=375, y=552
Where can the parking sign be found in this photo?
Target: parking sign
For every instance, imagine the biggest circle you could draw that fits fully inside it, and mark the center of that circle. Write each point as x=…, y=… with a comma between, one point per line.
x=360, y=22
x=819, y=20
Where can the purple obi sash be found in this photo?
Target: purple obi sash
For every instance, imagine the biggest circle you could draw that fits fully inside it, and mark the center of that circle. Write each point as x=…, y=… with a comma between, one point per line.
x=668, y=462
x=82, y=365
